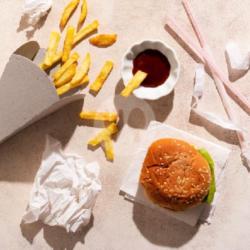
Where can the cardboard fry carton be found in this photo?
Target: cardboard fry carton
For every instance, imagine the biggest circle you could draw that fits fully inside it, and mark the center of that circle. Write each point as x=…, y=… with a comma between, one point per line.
x=27, y=93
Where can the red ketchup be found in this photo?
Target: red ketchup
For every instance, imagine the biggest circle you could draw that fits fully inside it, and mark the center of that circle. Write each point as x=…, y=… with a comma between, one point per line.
x=155, y=64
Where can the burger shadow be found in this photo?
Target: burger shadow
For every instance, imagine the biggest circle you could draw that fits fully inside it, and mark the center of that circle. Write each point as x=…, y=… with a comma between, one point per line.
x=56, y=237
x=161, y=230
x=21, y=154
x=138, y=113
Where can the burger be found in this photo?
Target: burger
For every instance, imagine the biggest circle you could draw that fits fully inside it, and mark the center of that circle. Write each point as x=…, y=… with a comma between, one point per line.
x=175, y=175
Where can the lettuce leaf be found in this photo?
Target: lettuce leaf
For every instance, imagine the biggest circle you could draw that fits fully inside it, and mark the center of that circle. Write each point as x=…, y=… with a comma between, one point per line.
x=212, y=188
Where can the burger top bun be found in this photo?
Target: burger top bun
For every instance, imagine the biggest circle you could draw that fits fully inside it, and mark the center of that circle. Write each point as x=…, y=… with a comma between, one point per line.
x=175, y=175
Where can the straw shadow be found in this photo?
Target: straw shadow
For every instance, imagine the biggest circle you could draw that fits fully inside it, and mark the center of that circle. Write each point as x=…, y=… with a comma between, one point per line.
x=55, y=236
x=162, y=230
x=21, y=155
x=138, y=113
x=30, y=30
x=218, y=132
x=234, y=75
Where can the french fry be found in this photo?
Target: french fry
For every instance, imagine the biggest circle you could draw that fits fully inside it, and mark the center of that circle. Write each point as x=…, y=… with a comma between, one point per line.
x=73, y=58
x=52, y=48
x=68, y=43
x=67, y=12
x=56, y=59
x=134, y=83
x=66, y=76
x=100, y=116
x=88, y=29
x=103, y=135
x=83, y=81
x=101, y=78
x=82, y=71
x=103, y=40
x=67, y=87
x=108, y=149
x=84, y=11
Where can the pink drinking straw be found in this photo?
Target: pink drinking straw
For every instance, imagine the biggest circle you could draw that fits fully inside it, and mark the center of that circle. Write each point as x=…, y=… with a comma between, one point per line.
x=204, y=58
x=218, y=82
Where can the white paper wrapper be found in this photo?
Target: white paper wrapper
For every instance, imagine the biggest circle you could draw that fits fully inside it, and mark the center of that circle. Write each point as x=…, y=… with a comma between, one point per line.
x=133, y=190
x=36, y=9
x=208, y=116
x=236, y=59
x=64, y=191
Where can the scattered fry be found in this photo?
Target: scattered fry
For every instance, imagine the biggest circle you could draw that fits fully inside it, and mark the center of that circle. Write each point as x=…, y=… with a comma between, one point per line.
x=88, y=29
x=108, y=149
x=52, y=48
x=100, y=116
x=73, y=58
x=68, y=11
x=103, y=40
x=66, y=76
x=103, y=75
x=134, y=83
x=69, y=86
x=56, y=59
x=68, y=43
x=82, y=71
x=103, y=135
x=84, y=11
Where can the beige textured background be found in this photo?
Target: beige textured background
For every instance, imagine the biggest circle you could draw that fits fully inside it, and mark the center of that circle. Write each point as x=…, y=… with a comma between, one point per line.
x=118, y=224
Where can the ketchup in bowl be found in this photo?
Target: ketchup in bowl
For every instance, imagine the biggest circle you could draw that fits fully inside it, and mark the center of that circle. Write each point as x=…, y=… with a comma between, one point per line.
x=155, y=64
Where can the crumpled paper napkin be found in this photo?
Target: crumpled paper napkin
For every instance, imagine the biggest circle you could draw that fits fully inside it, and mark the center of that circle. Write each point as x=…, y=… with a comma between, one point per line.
x=198, y=92
x=64, y=191
x=236, y=58
x=34, y=10
x=133, y=191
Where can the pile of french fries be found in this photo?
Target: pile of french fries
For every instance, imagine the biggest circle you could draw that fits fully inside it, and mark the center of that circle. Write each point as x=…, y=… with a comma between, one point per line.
x=73, y=74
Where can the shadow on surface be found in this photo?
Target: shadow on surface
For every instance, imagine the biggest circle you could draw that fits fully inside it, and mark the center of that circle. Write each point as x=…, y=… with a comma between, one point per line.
x=161, y=230
x=138, y=113
x=234, y=75
x=55, y=236
x=20, y=155
x=220, y=133
x=30, y=30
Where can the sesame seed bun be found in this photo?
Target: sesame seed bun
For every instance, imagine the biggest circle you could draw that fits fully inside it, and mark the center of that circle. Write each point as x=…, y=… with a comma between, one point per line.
x=175, y=175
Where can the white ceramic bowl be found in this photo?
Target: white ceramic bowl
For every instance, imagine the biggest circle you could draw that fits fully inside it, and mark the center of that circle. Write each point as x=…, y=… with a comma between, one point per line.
x=165, y=88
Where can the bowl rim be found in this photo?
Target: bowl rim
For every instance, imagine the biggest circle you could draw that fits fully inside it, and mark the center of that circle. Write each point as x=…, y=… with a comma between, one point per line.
x=176, y=69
